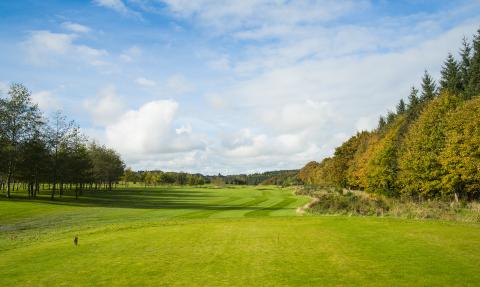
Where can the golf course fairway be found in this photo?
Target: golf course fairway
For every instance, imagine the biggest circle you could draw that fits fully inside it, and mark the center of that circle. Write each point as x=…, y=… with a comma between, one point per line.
x=231, y=236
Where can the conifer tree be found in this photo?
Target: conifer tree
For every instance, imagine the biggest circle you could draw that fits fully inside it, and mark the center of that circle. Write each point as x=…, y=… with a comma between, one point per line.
x=413, y=103
x=451, y=80
x=465, y=54
x=428, y=88
x=401, y=107
x=473, y=88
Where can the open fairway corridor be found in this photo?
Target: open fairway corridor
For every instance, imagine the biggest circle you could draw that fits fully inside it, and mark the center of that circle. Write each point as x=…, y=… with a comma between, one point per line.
x=233, y=236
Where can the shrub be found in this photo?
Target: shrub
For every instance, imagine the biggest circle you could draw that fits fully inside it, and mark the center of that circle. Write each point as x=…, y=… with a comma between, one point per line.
x=331, y=201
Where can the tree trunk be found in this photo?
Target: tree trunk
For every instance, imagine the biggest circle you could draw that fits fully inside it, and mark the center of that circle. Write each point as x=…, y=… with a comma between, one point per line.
x=9, y=178
x=54, y=185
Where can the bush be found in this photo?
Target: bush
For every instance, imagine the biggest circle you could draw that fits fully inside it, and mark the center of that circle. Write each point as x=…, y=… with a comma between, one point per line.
x=351, y=203
x=331, y=201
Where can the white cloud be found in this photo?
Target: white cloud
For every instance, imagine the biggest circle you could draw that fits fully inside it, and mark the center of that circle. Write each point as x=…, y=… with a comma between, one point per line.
x=184, y=130
x=145, y=82
x=301, y=109
x=254, y=14
x=45, y=47
x=75, y=27
x=298, y=116
x=150, y=131
x=41, y=44
x=106, y=107
x=118, y=6
x=46, y=100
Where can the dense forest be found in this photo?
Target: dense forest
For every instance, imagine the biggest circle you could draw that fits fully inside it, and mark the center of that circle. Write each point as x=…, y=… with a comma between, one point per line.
x=39, y=153
x=428, y=148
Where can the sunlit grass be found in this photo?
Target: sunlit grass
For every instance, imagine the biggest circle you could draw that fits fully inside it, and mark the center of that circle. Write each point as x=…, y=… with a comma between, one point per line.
x=238, y=236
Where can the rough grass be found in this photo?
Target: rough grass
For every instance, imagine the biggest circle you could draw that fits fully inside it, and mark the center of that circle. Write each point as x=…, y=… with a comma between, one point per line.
x=241, y=236
x=365, y=204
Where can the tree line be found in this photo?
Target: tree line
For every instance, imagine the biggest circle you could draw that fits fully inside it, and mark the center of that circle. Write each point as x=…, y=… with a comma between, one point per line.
x=277, y=177
x=429, y=147
x=158, y=177
x=39, y=153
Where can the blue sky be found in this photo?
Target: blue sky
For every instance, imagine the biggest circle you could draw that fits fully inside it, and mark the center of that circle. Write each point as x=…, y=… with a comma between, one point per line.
x=226, y=86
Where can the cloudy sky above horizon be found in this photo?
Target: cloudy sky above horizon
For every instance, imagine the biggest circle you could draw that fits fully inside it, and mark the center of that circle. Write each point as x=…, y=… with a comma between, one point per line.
x=226, y=86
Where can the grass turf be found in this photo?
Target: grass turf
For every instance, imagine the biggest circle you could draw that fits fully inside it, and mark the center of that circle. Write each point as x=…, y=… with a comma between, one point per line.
x=234, y=236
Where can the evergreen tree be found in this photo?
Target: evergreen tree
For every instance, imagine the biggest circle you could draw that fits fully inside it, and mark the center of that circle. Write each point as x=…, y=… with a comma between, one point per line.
x=465, y=54
x=413, y=99
x=413, y=103
x=473, y=88
x=451, y=79
x=401, y=107
x=428, y=88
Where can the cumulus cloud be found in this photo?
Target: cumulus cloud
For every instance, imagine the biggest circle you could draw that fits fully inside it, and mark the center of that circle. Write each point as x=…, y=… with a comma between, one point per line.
x=46, y=100
x=106, y=107
x=150, y=131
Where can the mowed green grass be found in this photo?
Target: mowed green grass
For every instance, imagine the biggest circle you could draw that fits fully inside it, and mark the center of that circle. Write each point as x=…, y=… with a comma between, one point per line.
x=234, y=236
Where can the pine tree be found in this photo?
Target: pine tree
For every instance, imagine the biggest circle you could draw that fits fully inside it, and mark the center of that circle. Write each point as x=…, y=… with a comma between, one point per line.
x=465, y=54
x=413, y=103
x=428, y=88
x=451, y=80
x=473, y=88
x=401, y=107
